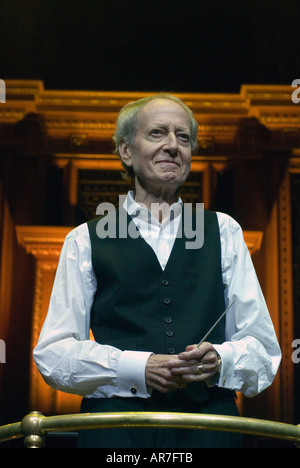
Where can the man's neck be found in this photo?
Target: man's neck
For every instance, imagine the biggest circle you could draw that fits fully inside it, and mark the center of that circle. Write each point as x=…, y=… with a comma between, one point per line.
x=157, y=201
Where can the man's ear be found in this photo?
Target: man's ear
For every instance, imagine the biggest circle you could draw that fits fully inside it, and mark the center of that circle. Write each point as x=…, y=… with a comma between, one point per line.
x=125, y=153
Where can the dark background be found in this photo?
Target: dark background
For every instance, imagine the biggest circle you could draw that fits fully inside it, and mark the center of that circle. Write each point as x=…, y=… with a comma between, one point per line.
x=142, y=45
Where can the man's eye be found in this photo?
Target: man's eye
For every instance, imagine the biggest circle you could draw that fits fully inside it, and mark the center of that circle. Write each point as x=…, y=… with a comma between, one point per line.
x=184, y=137
x=156, y=131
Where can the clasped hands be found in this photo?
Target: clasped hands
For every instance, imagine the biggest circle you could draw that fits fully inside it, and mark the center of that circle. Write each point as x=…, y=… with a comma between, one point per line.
x=166, y=373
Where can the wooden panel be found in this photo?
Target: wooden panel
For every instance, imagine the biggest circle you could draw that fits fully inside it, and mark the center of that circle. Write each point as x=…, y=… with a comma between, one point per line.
x=286, y=298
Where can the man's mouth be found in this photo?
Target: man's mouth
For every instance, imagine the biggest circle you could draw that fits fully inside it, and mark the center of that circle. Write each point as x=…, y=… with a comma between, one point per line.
x=168, y=161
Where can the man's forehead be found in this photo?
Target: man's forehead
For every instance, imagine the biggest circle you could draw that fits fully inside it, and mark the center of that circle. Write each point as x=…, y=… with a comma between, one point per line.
x=162, y=108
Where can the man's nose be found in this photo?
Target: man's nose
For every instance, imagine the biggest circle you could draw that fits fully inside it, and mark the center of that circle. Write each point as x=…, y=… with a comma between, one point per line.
x=171, y=144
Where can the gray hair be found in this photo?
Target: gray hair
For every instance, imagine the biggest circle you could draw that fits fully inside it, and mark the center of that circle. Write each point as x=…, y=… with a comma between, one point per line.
x=127, y=124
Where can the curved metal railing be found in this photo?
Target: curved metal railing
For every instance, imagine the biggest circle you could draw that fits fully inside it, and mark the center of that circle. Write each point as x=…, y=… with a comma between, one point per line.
x=34, y=427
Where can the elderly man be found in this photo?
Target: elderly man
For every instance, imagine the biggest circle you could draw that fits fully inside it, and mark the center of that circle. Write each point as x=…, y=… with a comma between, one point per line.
x=149, y=299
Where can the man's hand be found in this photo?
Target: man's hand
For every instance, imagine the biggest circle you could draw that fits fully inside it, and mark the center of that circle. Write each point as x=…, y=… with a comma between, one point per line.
x=159, y=375
x=166, y=373
x=195, y=364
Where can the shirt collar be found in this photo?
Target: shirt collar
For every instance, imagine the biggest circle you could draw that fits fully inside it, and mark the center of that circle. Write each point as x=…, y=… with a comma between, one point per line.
x=134, y=209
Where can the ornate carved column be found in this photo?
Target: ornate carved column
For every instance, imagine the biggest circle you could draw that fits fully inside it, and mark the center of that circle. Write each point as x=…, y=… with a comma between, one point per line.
x=45, y=244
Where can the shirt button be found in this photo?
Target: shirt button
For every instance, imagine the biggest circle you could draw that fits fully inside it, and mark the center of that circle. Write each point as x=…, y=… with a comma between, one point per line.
x=168, y=320
x=170, y=333
x=171, y=350
x=133, y=390
x=165, y=282
x=167, y=300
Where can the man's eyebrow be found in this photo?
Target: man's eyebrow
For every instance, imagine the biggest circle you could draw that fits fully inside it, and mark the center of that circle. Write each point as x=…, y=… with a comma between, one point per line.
x=166, y=126
x=183, y=129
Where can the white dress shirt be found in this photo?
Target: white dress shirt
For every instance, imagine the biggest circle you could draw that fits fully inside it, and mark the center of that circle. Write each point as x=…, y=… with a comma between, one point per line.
x=70, y=361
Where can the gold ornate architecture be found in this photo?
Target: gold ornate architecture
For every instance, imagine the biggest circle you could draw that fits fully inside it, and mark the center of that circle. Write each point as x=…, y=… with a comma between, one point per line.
x=57, y=164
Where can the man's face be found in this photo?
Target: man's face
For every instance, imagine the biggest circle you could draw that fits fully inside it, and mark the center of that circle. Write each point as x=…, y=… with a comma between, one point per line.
x=161, y=152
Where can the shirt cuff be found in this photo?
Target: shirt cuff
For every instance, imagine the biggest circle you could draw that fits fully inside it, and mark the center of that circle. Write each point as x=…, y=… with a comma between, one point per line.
x=226, y=377
x=131, y=374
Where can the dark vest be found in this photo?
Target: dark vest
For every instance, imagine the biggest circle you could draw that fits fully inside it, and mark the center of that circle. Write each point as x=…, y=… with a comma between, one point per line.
x=138, y=306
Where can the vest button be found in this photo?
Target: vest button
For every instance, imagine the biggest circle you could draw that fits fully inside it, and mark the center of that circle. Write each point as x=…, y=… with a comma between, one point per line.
x=170, y=333
x=171, y=350
x=165, y=282
x=133, y=390
x=168, y=320
x=167, y=300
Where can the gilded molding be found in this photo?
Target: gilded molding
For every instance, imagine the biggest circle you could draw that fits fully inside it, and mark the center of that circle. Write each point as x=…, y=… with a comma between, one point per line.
x=97, y=110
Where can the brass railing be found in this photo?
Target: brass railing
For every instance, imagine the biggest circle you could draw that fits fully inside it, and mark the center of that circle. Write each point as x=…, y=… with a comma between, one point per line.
x=34, y=427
